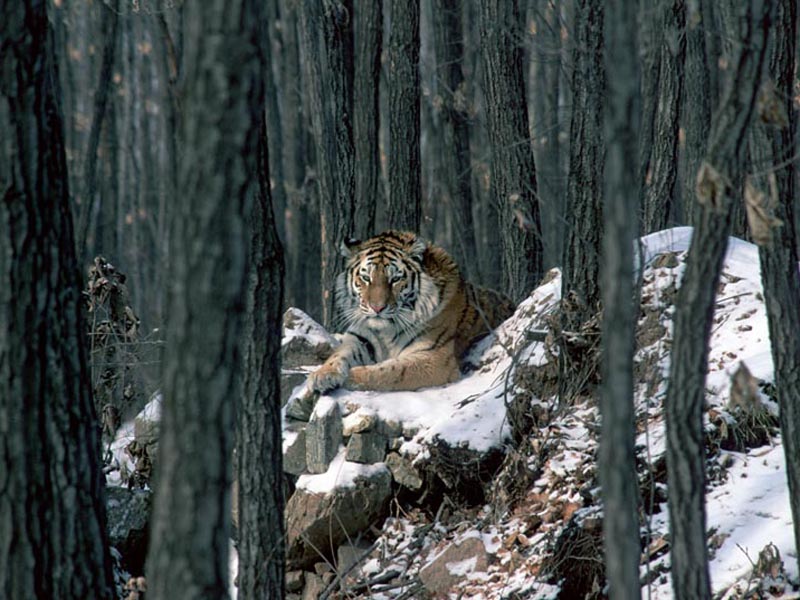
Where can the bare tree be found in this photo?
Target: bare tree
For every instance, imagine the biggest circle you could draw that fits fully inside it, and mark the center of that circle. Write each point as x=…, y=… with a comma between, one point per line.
x=405, y=193
x=617, y=458
x=513, y=175
x=774, y=145
x=326, y=55
x=53, y=542
x=695, y=304
x=222, y=111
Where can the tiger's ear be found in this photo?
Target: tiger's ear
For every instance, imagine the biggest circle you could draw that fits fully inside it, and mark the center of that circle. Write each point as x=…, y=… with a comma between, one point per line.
x=348, y=246
x=417, y=249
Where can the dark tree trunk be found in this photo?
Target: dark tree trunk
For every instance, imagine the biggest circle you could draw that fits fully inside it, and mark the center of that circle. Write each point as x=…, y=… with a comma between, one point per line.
x=581, y=274
x=258, y=441
x=454, y=109
x=660, y=164
x=405, y=193
x=617, y=458
x=368, y=34
x=779, y=259
x=223, y=108
x=696, y=114
x=327, y=72
x=513, y=176
x=544, y=91
x=53, y=542
x=695, y=306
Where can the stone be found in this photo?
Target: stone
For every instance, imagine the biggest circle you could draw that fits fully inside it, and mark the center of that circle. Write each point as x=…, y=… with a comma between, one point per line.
x=305, y=342
x=294, y=581
x=367, y=448
x=128, y=516
x=453, y=565
x=290, y=381
x=358, y=422
x=348, y=554
x=294, y=448
x=323, y=435
x=390, y=429
x=403, y=471
x=314, y=586
x=319, y=522
x=321, y=568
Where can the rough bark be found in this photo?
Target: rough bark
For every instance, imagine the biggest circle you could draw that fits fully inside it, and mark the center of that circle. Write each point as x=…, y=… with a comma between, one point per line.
x=695, y=307
x=327, y=75
x=53, y=542
x=581, y=264
x=660, y=166
x=222, y=110
x=696, y=114
x=368, y=34
x=513, y=175
x=405, y=193
x=259, y=453
x=617, y=458
x=454, y=107
x=775, y=147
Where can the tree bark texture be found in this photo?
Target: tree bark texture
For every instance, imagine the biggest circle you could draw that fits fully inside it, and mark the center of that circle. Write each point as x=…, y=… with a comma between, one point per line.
x=258, y=441
x=696, y=113
x=368, y=34
x=53, y=542
x=617, y=457
x=454, y=107
x=327, y=73
x=660, y=165
x=779, y=274
x=222, y=111
x=513, y=175
x=581, y=264
x=405, y=193
x=695, y=305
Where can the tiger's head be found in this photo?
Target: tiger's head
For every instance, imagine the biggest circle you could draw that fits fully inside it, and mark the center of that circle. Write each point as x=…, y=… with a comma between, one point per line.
x=384, y=281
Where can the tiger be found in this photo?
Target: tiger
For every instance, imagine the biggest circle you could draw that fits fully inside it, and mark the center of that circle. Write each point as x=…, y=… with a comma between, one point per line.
x=408, y=316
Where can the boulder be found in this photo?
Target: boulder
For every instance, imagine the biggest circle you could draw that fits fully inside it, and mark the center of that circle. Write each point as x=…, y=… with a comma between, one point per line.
x=454, y=565
x=314, y=586
x=348, y=555
x=305, y=342
x=128, y=515
x=294, y=449
x=323, y=435
x=367, y=448
x=403, y=471
x=318, y=522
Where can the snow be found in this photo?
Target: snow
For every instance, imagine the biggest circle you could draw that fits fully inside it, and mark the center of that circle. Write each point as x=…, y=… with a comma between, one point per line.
x=341, y=474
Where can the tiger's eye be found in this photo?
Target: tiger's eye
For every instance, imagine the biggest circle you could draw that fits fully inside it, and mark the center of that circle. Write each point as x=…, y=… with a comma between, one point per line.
x=364, y=278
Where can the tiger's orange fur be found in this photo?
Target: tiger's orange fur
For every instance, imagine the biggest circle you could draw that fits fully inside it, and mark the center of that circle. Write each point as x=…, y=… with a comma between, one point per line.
x=409, y=317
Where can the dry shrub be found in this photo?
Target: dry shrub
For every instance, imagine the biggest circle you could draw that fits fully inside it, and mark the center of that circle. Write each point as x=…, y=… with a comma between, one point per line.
x=577, y=560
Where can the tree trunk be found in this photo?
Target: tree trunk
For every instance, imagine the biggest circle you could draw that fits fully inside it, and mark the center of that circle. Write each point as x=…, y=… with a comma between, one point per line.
x=368, y=33
x=454, y=106
x=53, y=542
x=695, y=307
x=661, y=157
x=698, y=99
x=581, y=265
x=779, y=274
x=327, y=73
x=258, y=441
x=617, y=458
x=405, y=193
x=513, y=175
x=223, y=107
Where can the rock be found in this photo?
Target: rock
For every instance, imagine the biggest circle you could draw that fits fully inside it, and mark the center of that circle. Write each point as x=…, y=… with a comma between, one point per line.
x=367, y=448
x=454, y=565
x=305, y=342
x=403, y=471
x=391, y=429
x=321, y=568
x=320, y=522
x=314, y=586
x=294, y=581
x=128, y=515
x=358, y=422
x=323, y=435
x=348, y=555
x=290, y=380
x=294, y=450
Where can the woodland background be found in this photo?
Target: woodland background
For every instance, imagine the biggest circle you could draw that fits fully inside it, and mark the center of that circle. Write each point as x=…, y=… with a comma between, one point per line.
x=201, y=148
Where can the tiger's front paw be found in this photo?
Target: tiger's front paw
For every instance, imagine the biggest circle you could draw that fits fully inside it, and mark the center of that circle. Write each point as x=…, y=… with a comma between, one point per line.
x=328, y=377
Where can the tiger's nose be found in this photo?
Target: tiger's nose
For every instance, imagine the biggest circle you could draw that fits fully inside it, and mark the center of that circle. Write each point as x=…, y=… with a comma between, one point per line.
x=377, y=307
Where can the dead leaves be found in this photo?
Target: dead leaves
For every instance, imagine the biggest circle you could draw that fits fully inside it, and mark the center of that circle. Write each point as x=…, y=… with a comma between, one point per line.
x=760, y=209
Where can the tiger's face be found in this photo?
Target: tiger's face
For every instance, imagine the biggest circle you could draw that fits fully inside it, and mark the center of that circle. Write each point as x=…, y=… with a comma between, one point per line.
x=383, y=279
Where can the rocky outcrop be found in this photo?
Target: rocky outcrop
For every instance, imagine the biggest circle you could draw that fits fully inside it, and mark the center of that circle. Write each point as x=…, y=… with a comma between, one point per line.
x=128, y=515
